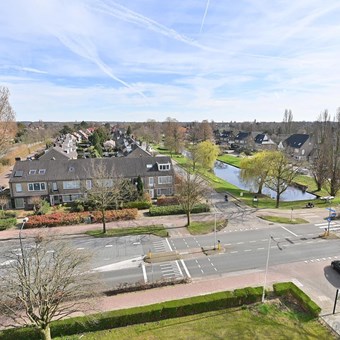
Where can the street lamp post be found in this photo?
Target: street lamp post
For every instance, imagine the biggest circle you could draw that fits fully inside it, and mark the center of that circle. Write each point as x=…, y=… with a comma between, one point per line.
x=215, y=230
x=265, y=275
x=25, y=220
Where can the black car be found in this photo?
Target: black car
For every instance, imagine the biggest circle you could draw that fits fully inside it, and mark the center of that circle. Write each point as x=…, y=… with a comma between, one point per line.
x=336, y=265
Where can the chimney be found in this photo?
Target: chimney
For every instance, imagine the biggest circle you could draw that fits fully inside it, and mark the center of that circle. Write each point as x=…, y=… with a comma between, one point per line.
x=17, y=159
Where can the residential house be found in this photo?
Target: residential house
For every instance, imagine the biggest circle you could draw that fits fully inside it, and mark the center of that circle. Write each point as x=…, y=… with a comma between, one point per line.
x=63, y=181
x=299, y=146
x=263, y=142
x=242, y=138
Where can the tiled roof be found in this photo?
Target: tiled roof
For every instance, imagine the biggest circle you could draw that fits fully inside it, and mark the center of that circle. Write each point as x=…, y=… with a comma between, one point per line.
x=73, y=169
x=296, y=140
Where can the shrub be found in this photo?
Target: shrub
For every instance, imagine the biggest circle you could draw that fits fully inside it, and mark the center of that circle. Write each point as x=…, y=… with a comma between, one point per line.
x=60, y=218
x=5, y=161
x=6, y=223
x=7, y=214
x=138, y=205
x=176, y=209
x=164, y=201
x=137, y=315
x=290, y=289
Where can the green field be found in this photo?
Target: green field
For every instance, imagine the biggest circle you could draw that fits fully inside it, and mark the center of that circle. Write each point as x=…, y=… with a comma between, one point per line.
x=205, y=227
x=157, y=230
x=260, y=321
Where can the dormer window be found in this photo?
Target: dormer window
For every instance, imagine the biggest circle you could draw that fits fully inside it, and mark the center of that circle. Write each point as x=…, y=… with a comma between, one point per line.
x=42, y=171
x=32, y=172
x=164, y=167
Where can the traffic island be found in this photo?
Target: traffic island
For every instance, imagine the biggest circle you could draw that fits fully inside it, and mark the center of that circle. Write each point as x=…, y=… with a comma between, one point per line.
x=161, y=257
x=212, y=250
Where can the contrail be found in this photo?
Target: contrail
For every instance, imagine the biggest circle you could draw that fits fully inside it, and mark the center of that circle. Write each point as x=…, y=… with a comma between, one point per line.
x=205, y=14
x=123, y=13
x=86, y=50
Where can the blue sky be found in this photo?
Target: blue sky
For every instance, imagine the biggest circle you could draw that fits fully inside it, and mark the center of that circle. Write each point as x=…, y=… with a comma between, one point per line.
x=133, y=60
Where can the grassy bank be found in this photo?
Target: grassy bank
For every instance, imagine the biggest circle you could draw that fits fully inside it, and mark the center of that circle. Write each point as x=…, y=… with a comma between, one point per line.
x=205, y=227
x=272, y=320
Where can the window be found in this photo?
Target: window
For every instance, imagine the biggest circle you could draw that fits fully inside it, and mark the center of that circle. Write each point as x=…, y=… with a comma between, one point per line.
x=164, y=167
x=164, y=180
x=71, y=198
x=19, y=203
x=165, y=191
x=105, y=183
x=18, y=187
x=71, y=185
x=18, y=173
x=151, y=181
x=42, y=171
x=32, y=172
x=88, y=184
x=36, y=186
x=54, y=186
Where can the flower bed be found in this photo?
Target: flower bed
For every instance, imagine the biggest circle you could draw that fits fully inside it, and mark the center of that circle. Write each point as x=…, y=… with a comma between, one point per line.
x=59, y=218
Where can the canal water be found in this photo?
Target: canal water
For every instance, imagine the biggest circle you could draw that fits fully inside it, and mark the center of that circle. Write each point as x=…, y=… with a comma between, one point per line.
x=232, y=175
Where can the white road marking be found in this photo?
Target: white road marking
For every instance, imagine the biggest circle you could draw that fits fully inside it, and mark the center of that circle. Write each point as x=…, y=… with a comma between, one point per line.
x=233, y=252
x=260, y=248
x=80, y=248
x=247, y=250
x=252, y=241
x=167, y=241
x=144, y=273
x=185, y=269
x=289, y=231
x=179, y=269
x=108, y=246
x=240, y=243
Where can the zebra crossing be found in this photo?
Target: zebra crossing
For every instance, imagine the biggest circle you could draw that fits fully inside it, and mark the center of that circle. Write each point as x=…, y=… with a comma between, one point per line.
x=169, y=269
x=333, y=225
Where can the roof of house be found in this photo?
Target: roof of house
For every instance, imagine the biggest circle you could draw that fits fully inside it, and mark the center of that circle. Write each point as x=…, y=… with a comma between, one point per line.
x=80, y=169
x=138, y=152
x=296, y=140
x=56, y=153
x=242, y=135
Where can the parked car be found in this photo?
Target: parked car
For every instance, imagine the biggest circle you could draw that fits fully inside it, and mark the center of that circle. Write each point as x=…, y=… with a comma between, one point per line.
x=336, y=265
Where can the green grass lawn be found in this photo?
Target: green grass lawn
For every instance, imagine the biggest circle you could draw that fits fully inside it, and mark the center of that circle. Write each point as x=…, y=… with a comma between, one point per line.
x=268, y=321
x=285, y=220
x=232, y=160
x=157, y=230
x=205, y=227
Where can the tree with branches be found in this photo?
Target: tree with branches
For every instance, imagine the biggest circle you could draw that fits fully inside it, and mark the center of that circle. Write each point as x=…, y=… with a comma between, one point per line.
x=108, y=191
x=48, y=281
x=190, y=190
x=281, y=173
x=8, y=126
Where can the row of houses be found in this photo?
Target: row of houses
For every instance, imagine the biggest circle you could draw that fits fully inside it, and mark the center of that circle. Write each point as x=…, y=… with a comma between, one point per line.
x=60, y=180
x=298, y=146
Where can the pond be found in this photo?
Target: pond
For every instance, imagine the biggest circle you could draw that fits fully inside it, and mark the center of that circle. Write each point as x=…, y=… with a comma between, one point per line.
x=232, y=175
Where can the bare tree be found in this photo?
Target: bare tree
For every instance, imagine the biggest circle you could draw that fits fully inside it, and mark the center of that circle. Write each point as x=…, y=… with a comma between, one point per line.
x=334, y=157
x=205, y=132
x=321, y=155
x=48, y=281
x=7, y=120
x=190, y=190
x=287, y=121
x=107, y=191
x=174, y=136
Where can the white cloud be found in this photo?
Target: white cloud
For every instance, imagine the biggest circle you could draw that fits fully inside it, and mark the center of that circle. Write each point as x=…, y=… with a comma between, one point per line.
x=229, y=60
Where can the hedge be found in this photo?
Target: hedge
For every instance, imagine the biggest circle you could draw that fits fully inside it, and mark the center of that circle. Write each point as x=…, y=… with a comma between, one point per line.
x=138, y=205
x=165, y=201
x=6, y=223
x=137, y=315
x=59, y=218
x=176, y=210
x=7, y=214
x=289, y=288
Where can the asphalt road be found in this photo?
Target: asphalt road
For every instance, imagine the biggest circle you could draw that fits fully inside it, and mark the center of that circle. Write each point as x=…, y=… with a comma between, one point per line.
x=119, y=260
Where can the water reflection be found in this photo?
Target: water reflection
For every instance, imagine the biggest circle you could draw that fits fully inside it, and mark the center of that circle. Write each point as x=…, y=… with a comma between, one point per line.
x=232, y=175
